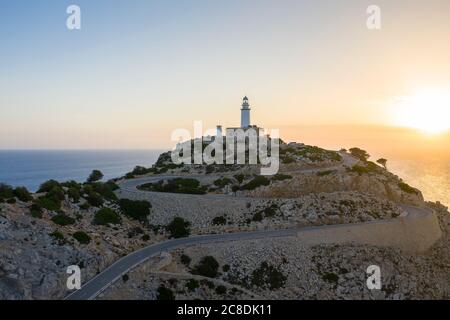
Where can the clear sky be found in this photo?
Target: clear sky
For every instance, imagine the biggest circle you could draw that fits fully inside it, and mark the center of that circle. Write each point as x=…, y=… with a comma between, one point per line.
x=139, y=69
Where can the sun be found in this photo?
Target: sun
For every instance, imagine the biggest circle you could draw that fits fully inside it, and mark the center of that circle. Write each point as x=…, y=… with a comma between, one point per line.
x=427, y=110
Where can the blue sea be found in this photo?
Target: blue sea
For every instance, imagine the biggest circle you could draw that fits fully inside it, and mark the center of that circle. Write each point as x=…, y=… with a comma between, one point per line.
x=30, y=168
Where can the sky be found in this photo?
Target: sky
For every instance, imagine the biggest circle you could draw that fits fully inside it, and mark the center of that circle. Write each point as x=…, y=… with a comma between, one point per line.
x=137, y=70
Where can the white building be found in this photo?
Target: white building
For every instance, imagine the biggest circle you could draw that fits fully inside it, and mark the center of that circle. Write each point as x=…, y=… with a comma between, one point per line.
x=245, y=121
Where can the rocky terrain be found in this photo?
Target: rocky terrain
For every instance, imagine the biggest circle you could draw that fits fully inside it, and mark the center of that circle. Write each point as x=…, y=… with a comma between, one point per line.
x=91, y=225
x=285, y=269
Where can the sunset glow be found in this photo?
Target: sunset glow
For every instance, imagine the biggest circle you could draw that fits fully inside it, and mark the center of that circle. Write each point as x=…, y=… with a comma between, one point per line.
x=428, y=111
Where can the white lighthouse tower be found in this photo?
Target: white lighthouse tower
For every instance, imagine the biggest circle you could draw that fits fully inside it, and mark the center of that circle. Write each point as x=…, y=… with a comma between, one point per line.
x=245, y=114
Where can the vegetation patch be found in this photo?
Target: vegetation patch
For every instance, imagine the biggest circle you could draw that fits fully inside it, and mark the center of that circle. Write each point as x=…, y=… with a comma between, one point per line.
x=178, y=185
x=137, y=210
x=63, y=220
x=407, y=188
x=257, y=182
x=268, y=277
x=208, y=267
x=82, y=237
x=178, y=228
x=219, y=221
x=106, y=216
x=164, y=293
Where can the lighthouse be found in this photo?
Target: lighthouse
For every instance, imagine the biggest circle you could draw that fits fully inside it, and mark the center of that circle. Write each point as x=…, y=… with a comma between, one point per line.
x=245, y=114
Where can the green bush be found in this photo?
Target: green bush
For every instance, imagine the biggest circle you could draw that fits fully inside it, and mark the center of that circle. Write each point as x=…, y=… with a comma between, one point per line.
x=36, y=211
x=407, y=188
x=22, y=194
x=268, y=277
x=330, y=277
x=49, y=185
x=177, y=185
x=281, y=177
x=106, y=190
x=239, y=178
x=137, y=210
x=192, y=284
x=325, y=173
x=106, y=216
x=74, y=194
x=226, y=268
x=208, y=267
x=256, y=183
x=63, y=220
x=221, y=183
x=219, y=221
x=178, y=228
x=360, y=154
x=49, y=203
x=95, y=199
x=165, y=294
x=58, y=237
x=96, y=175
x=221, y=290
x=6, y=191
x=145, y=237
x=85, y=206
x=11, y=201
x=82, y=237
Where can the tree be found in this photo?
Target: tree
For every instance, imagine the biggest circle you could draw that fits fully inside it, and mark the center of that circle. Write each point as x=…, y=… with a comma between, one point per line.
x=95, y=176
x=178, y=228
x=137, y=210
x=106, y=216
x=383, y=162
x=360, y=154
x=208, y=267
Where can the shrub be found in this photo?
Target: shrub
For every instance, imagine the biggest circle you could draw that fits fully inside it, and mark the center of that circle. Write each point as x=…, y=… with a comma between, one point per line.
x=49, y=185
x=49, y=203
x=58, y=237
x=258, y=217
x=325, y=173
x=192, y=284
x=330, y=277
x=178, y=228
x=360, y=154
x=219, y=221
x=96, y=175
x=281, y=177
x=145, y=237
x=407, y=188
x=208, y=267
x=82, y=237
x=36, y=211
x=267, y=276
x=256, y=183
x=106, y=216
x=63, y=220
x=165, y=294
x=137, y=210
x=222, y=182
x=6, y=191
x=74, y=194
x=226, y=268
x=106, y=190
x=11, y=201
x=221, y=290
x=185, y=259
x=177, y=185
x=22, y=194
x=95, y=199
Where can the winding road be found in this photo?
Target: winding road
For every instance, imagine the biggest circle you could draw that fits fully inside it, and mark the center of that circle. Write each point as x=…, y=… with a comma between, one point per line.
x=102, y=281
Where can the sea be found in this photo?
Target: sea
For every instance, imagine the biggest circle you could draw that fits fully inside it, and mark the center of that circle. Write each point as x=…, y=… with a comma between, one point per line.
x=30, y=168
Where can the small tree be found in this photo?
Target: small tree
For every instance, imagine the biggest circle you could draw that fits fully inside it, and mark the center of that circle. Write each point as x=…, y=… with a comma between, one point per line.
x=360, y=154
x=208, y=267
x=178, y=228
x=383, y=162
x=95, y=176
